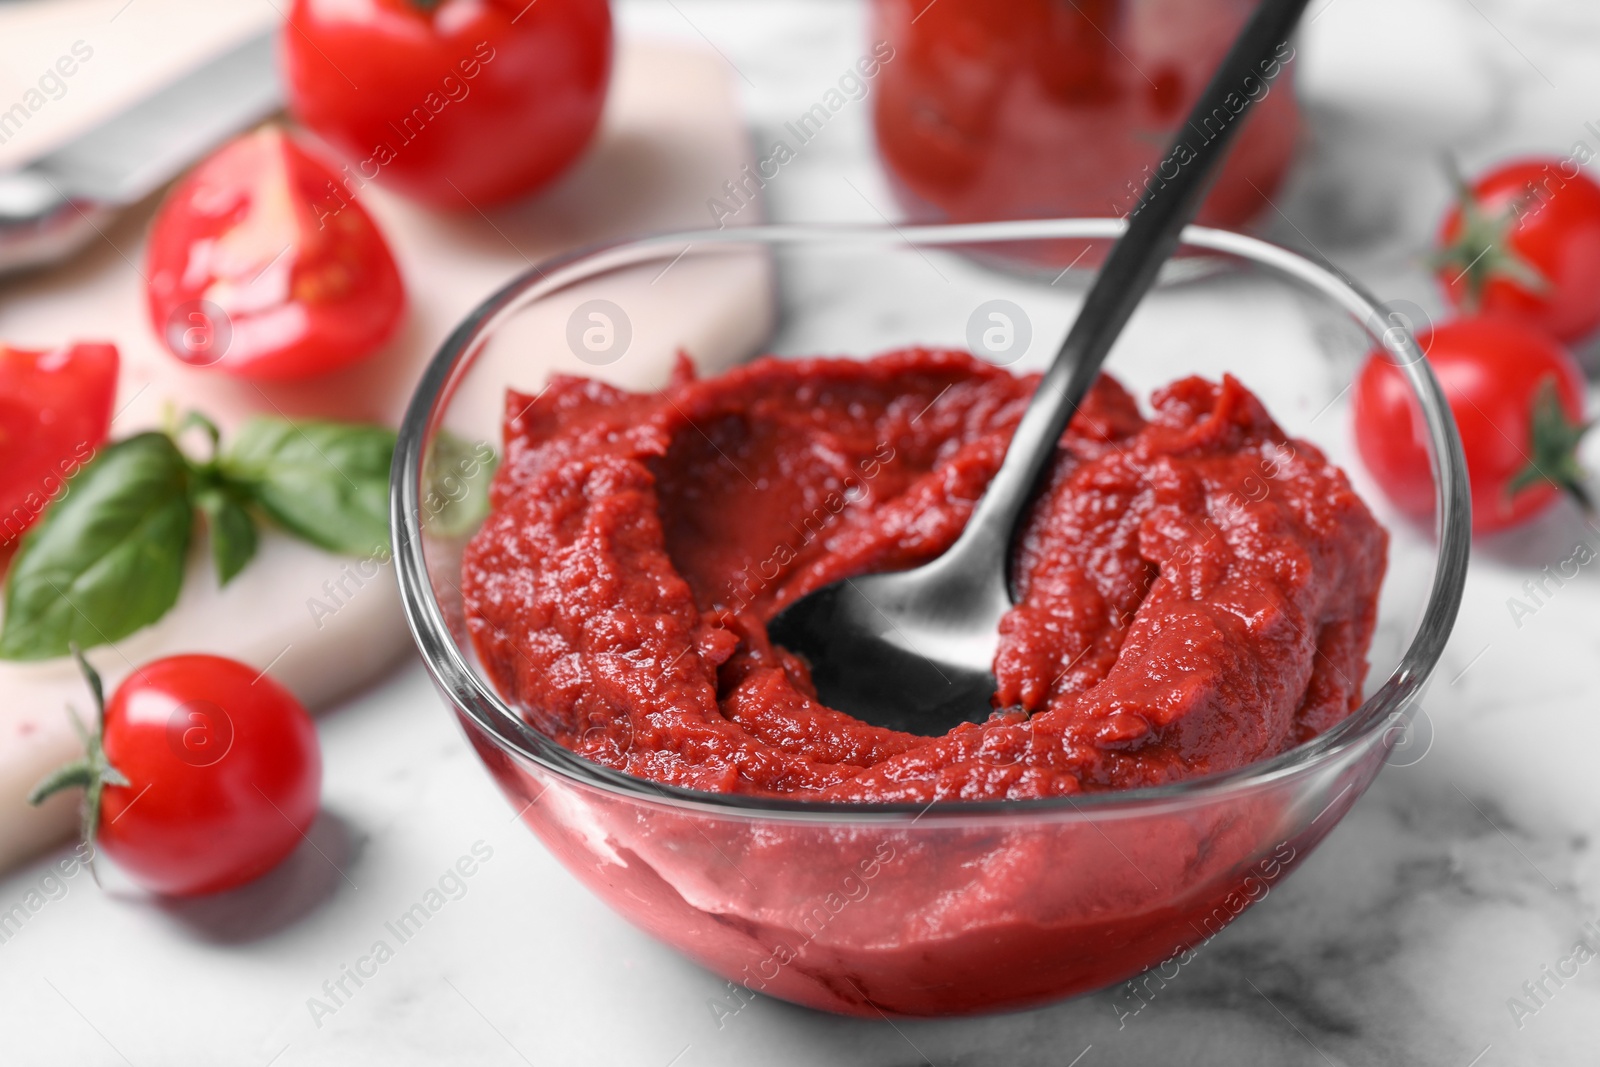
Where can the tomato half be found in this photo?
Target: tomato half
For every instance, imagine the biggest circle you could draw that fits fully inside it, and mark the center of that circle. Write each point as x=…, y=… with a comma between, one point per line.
x=55, y=410
x=259, y=266
x=1524, y=243
x=224, y=775
x=1517, y=397
x=459, y=103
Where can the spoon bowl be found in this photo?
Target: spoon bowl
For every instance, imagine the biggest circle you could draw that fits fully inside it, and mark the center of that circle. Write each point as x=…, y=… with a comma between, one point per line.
x=911, y=650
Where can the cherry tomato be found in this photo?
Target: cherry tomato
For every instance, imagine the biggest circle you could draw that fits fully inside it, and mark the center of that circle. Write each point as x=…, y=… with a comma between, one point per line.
x=223, y=772
x=55, y=409
x=260, y=267
x=460, y=103
x=1517, y=397
x=1524, y=243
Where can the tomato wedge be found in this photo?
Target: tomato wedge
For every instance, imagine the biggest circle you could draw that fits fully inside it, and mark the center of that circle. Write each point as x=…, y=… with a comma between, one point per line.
x=55, y=410
x=257, y=269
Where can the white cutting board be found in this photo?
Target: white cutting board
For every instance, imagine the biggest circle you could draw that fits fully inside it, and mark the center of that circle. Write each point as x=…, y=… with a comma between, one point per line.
x=671, y=135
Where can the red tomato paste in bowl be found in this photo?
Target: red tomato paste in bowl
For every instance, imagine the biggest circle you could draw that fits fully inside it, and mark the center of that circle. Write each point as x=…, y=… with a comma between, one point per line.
x=1197, y=590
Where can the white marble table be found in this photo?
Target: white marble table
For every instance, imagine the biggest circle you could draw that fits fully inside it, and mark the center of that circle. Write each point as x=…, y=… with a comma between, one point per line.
x=1453, y=882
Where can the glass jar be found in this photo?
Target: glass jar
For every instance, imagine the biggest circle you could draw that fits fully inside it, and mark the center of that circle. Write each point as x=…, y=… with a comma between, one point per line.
x=1014, y=109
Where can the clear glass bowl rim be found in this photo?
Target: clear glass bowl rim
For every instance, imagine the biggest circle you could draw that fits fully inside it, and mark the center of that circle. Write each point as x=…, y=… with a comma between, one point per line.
x=473, y=696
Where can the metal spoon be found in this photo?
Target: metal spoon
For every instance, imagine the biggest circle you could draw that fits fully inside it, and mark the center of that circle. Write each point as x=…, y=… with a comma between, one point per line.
x=913, y=650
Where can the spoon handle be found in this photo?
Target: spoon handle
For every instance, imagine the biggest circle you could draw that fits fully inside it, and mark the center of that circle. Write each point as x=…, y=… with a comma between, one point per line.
x=1176, y=188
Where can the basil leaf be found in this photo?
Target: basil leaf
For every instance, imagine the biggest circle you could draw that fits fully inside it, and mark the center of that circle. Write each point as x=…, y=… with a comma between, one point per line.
x=107, y=558
x=455, y=483
x=327, y=482
x=233, y=532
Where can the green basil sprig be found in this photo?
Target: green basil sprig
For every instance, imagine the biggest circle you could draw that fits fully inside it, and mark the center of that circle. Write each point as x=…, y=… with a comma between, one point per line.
x=108, y=557
x=326, y=482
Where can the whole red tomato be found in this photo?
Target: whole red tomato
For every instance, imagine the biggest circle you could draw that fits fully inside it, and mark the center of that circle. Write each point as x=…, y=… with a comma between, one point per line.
x=55, y=410
x=1524, y=243
x=459, y=103
x=1517, y=397
x=205, y=775
x=259, y=266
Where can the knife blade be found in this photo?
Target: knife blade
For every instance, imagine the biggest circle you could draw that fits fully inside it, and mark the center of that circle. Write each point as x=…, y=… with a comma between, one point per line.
x=54, y=206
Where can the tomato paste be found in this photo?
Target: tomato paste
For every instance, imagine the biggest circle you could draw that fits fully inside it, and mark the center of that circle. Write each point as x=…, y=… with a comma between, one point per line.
x=1196, y=589
x=1018, y=109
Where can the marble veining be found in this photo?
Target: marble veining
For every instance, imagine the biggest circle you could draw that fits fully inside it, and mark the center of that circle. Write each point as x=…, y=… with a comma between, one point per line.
x=1446, y=901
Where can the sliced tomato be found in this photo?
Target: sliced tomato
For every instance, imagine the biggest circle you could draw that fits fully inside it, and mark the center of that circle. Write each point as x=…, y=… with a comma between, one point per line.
x=260, y=265
x=55, y=410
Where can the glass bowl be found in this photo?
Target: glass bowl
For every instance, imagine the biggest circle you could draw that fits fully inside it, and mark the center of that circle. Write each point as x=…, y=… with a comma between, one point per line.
x=958, y=906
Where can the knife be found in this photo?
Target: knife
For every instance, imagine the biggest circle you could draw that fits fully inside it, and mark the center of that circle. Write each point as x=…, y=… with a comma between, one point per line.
x=57, y=204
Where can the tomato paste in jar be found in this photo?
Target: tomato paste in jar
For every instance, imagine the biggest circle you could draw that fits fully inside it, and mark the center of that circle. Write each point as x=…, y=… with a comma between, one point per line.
x=1010, y=109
